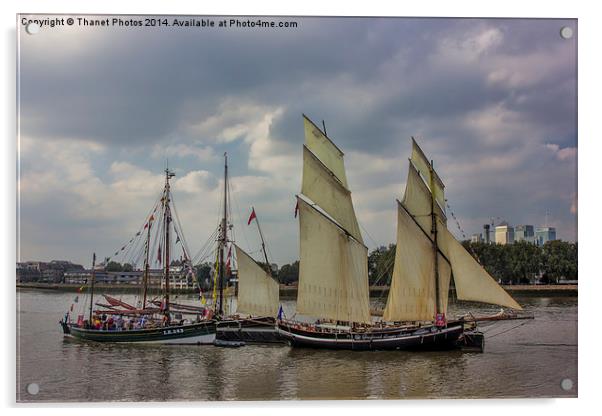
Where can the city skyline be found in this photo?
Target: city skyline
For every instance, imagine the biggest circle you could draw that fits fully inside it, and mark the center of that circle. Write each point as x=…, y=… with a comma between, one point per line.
x=492, y=102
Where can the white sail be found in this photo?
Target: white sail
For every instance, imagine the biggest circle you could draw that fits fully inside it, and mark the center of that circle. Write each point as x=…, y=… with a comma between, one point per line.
x=423, y=165
x=323, y=188
x=321, y=146
x=471, y=280
x=333, y=270
x=257, y=291
x=412, y=292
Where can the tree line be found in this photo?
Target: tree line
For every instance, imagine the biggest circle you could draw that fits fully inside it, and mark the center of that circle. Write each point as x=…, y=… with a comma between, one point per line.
x=517, y=263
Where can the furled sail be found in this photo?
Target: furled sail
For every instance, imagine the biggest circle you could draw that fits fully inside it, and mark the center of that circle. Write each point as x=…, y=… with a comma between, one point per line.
x=321, y=146
x=471, y=280
x=423, y=166
x=412, y=292
x=257, y=291
x=322, y=187
x=333, y=270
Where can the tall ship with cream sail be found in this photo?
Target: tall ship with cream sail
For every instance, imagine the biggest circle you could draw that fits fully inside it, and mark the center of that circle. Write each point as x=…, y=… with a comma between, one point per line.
x=249, y=314
x=153, y=317
x=333, y=294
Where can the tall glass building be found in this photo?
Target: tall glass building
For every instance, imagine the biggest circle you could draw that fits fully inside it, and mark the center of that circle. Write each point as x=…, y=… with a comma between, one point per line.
x=545, y=234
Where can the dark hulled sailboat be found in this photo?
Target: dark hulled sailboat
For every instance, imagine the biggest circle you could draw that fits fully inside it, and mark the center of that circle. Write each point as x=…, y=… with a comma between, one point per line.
x=155, y=321
x=333, y=272
x=257, y=296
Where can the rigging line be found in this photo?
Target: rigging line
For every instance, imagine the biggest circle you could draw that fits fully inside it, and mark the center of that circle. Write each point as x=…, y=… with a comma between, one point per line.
x=179, y=231
x=508, y=330
x=140, y=229
x=203, y=247
x=209, y=242
x=240, y=217
x=368, y=234
x=474, y=254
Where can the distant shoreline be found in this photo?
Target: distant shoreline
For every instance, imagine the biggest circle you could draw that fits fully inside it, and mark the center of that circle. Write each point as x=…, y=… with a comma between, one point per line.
x=291, y=291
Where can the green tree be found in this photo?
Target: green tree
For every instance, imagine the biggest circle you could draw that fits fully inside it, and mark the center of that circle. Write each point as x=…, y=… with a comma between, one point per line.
x=289, y=273
x=203, y=275
x=380, y=265
x=559, y=261
x=114, y=266
x=127, y=267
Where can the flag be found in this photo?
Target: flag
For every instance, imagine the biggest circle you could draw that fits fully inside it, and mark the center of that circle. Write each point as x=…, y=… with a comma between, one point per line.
x=80, y=289
x=76, y=299
x=72, y=307
x=251, y=217
x=228, y=269
x=177, y=239
x=296, y=209
x=138, y=233
x=159, y=254
x=280, y=313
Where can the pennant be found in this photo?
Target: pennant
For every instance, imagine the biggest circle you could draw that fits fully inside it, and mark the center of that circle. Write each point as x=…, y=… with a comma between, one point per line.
x=159, y=255
x=76, y=299
x=72, y=307
x=280, y=313
x=116, y=253
x=80, y=290
x=138, y=233
x=252, y=217
x=122, y=248
x=177, y=239
x=296, y=209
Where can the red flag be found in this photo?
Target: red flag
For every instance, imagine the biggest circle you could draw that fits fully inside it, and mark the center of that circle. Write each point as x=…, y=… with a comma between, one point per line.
x=297, y=209
x=251, y=217
x=228, y=269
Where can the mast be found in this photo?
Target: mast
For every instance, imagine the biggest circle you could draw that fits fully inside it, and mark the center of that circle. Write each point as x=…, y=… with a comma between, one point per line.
x=93, y=278
x=223, y=238
x=146, y=265
x=435, y=247
x=265, y=254
x=167, y=220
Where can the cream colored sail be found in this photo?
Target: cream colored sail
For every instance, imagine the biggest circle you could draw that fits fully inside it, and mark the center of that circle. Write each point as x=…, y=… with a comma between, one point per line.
x=423, y=165
x=417, y=199
x=324, y=189
x=321, y=146
x=333, y=270
x=471, y=280
x=412, y=292
x=257, y=291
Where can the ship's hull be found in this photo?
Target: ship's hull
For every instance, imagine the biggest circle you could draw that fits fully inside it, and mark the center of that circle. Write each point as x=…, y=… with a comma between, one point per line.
x=428, y=338
x=254, y=331
x=196, y=334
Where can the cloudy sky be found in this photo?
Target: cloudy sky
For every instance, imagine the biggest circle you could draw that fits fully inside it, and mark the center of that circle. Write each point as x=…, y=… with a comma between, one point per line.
x=493, y=102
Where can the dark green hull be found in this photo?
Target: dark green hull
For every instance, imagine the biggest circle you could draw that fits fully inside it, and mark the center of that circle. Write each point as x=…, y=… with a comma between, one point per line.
x=196, y=333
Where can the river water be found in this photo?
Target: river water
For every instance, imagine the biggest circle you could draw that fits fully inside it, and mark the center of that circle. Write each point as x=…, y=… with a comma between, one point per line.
x=521, y=359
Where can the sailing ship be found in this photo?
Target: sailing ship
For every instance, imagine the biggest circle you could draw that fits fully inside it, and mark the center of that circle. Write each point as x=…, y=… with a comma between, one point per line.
x=333, y=270
x=154, y=320
x=257, y=292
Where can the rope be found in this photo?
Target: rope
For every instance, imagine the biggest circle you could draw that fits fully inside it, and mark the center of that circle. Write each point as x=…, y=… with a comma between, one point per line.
x=508, y=330
x=474, y=254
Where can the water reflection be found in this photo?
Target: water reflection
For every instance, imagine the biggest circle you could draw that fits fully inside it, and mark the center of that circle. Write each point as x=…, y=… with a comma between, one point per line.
x=527, y=361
